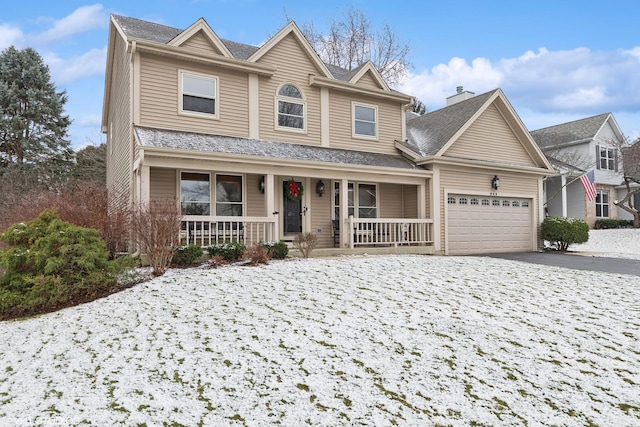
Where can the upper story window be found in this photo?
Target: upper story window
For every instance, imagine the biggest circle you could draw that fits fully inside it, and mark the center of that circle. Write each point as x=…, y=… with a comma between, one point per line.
x=198, y=94
x=607, y=158
x=290, y=108
x=365, y=121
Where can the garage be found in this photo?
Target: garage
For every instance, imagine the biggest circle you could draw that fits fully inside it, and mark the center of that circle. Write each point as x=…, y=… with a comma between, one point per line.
x=481, y=224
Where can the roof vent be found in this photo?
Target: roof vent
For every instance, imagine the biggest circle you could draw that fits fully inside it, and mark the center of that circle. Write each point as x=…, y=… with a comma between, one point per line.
x=461, y=95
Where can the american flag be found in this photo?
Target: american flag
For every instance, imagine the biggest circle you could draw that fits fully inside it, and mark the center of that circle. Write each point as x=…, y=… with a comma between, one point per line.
x=588, y=182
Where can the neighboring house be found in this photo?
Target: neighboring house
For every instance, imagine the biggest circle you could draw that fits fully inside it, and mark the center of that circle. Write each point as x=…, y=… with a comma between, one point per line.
x=264, y=143
x=588, y=146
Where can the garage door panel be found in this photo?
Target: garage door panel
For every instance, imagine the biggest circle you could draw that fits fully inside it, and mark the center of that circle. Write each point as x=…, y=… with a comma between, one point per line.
x=483, y=225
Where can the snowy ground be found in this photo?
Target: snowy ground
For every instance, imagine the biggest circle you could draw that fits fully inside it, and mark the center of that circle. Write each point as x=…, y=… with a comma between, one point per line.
x=623, y=243
x=394, y=340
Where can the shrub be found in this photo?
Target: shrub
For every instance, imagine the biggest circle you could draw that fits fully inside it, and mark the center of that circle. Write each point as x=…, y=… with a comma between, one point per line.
x=613, y=223
x=52, y=264
x=276, y=250
x=256, y=254
x=230, y=252
x=562, y=232
x=185, y=256
x=305, y=243
x=156, y=228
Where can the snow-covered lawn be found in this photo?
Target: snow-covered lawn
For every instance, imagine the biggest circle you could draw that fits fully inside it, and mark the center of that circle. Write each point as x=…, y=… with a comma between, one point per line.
x=372, y=340
x=623, y=243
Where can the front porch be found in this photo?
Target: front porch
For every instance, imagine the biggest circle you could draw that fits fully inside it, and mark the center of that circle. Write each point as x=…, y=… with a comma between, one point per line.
x=370, y=235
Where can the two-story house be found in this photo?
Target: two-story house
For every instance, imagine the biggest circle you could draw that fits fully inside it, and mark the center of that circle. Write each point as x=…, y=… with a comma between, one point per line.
x=264, y=143
x=588, y=146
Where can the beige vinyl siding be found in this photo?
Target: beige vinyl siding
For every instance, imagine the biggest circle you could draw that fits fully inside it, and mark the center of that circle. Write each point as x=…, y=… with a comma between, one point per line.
x=119, y=161
x=390, y=201
x=321, y=215
x=163, y=184
x=410, y=199
x=368, y=81
x=293, y=66
x=477, y=181
x=341, y=119
x=490, y=138
x=159, y=98
x=199, y=41
x=255, y=203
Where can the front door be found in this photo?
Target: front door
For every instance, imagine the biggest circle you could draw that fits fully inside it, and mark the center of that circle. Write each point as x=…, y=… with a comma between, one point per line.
x=292, y=211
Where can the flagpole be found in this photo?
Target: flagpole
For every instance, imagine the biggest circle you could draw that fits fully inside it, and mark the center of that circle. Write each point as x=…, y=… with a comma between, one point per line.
x=556, y=193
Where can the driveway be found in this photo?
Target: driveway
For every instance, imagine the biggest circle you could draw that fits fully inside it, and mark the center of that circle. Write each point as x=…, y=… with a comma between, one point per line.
x=576, y=262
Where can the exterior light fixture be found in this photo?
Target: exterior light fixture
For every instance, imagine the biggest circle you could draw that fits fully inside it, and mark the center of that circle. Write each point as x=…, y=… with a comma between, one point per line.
x=320, y=188
x=495, y=182
x=261, y=184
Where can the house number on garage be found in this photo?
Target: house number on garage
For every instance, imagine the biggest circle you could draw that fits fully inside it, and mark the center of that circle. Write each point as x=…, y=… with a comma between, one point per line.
x=493, y=193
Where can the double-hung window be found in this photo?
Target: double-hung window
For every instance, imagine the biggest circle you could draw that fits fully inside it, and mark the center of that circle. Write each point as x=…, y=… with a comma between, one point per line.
x=290, y=109
x=607, y=158
x=228, y=195
x=365, y=121
x=198, y=94
x=602, y=204
x=195, y=193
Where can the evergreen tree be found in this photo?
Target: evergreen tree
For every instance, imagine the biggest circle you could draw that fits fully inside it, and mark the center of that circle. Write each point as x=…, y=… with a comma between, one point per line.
x=33, y=126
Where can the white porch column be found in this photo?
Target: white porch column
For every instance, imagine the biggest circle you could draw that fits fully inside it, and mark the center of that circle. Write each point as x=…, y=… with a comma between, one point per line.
x=422, y=201
x=270, y=205
x=145, y=190
x=563, y=183
x=344, y=212
x=434, y=204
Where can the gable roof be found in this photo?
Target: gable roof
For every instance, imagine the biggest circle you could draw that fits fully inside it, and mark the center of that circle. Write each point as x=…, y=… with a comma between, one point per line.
x=582, y=130
x=207, y=143
x=201, y=26
x=429, y=133
x=432, y=134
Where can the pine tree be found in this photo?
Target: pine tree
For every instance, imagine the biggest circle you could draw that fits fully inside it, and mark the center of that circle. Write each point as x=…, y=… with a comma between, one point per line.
x=33, y=126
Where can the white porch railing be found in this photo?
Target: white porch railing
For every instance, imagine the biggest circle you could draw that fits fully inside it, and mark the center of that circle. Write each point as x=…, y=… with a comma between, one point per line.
x=208, y=230
x=388, y=231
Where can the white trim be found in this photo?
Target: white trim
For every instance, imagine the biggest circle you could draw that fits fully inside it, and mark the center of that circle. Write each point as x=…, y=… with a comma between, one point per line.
x=200, y=25
x=214, y=190
x=300, y=101
x=325, y=124
x=368, y=67
x=355, y=104
x=254, y=106
x=216, y=96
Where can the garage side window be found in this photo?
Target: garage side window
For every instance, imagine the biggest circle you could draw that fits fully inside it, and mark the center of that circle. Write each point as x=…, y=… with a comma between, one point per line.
x=195, y=193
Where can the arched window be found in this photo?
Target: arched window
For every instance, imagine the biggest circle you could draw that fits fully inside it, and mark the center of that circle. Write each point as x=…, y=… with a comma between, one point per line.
x=290, y=108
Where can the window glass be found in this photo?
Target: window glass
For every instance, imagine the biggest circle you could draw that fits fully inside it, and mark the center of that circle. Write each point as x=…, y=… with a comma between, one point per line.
x=195, y=193
x=485, y=202
x=198, y=93
x=506, y=203
x=367, y=207
x=602, y=204
x=290, y=112
x=228, y=195
x=364, y=120
x=474, y=201
x=495, y=203
x=451, y=200
x=515, y=203
x=462, y=200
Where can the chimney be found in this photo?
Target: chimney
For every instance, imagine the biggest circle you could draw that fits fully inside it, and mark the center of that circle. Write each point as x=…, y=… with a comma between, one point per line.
x=461, y=95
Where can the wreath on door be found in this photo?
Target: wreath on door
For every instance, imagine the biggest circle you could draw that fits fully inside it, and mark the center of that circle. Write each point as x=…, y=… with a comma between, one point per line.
x=294, y=190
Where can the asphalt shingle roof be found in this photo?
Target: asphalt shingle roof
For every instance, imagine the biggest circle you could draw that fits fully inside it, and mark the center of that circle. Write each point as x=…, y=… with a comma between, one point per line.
x=566, y=133
x=428, y=133
x=151, y=137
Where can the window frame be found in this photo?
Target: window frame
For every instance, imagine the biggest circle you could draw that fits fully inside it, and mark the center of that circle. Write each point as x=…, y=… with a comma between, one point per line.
x=354, y=204
x=242, y=194
x=283, y=98
x=181, y=200
x=609, y=158
x=354, y=134
x=601, y=205
x=215, y=97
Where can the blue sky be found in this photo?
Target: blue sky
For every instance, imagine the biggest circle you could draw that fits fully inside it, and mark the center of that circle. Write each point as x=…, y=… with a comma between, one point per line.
x=556, y=60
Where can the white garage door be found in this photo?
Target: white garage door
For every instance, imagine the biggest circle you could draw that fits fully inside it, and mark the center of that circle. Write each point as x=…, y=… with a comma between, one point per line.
x=477, y=224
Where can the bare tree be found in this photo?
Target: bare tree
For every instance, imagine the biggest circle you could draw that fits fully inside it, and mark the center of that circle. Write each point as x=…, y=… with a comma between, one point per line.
x=352, y=41
x=631, y=167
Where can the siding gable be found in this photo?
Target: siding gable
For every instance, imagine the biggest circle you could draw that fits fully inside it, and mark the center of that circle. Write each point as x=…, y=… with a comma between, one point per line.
x=199, y=41
x=368, y=80
x=490, y=138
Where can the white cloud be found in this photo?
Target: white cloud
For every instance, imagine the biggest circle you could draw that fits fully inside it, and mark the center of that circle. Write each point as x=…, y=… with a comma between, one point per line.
x=10, y=35
x=64, y=71
x=546, y=84
x=82, y=19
